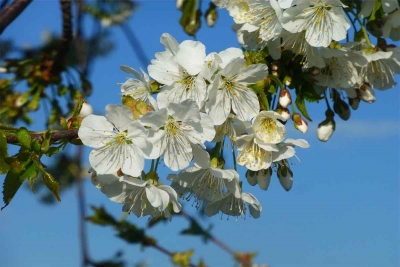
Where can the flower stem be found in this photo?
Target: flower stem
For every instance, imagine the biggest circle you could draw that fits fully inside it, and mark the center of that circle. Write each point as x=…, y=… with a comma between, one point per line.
x=263, y=96
x=156, y=167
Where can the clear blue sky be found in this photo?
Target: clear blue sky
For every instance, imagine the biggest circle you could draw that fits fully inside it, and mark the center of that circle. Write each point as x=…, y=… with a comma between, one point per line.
x=343, y=209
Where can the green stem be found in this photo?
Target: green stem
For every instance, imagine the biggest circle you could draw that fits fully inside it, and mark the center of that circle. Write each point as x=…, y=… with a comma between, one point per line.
x=157, y=161
x=366, y=36
x=263, y=96
x=152, y=165
x=292, y=108
x=277, y=81
x=234, y=158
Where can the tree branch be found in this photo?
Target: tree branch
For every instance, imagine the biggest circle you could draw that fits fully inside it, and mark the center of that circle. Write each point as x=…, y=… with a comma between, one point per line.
x=11, y=12
x=59, y=135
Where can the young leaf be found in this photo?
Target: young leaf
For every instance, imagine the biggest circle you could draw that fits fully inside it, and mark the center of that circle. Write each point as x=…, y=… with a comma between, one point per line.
x=15, y=178
x=24, y=137
x=301, y=105
x=46, y=141
x=4, y=167
x=48, y=180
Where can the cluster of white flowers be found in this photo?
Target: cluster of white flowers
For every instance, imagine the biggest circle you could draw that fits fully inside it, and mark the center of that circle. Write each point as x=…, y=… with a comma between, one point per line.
x=203, y=98
x=311, y=29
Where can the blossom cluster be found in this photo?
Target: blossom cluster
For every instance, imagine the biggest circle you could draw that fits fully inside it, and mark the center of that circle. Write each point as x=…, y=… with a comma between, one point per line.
x=312, y=29
x=200, y=99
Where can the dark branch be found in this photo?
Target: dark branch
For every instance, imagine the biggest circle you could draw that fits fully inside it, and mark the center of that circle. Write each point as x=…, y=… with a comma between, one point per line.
x=59, y=62
x=64, y=134
x=11, y=12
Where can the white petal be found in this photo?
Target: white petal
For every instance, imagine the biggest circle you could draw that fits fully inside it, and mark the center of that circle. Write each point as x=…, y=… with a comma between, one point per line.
x=264, y=178
x=154, y=119
x=229, y=54
x=173, y=197
x=253, y=73
x=119, y=115
x=132, y=161
x=201, y=157
x=96, y=131
x=170, y=43
x=191, y=56
x=184, y=111
x=154, y=196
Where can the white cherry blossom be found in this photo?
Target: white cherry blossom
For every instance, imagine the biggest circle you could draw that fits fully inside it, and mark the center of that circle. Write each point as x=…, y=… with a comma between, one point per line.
x=323, y=21
x=232, y=205
x=138, y=88
x=175, y=129
x=118, y=142
x=205, y=181
x=179, y=68
x=229, y=91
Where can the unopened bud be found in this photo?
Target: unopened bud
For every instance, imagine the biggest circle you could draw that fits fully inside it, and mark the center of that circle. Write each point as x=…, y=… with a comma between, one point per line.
x=287, y=81
x=285, y=99
x=299, y=123
x=285, y=176
x=211, y=15
x=284, y=112
x=274, y=66
x=342, y=109
x=366, y=93
x=354, y=102
x=327, y=127
x=274, y=73
x=86, y=110
x=179, y=4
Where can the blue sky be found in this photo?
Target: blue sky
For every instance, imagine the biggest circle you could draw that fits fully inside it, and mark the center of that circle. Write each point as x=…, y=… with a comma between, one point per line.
x=343, y=209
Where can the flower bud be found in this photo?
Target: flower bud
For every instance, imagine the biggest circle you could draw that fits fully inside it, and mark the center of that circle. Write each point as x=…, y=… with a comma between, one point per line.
x=284, y=112
x=86, y=110
x=299, y=123
x=287, y=81
x=211, y=15
x=285, y=176
x=366, y=93
x=179, y=4
x=342, y=109
x=354, y=102
x=285, y=99
x=327, y=127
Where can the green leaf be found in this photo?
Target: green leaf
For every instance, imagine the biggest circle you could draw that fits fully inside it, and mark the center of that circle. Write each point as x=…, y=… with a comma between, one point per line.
x=78, y=107
x=46, y=141
x=272, y=90
x=24, y=137
x=101, y=217
x=196, y=229
x=34, y=102
x=35, y=145
x=15, y=178
x=4, y=167
x=48, y=180
x=301, y=105
x=52, y=151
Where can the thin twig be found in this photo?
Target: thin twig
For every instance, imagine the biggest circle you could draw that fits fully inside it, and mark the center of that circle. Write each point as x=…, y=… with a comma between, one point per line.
x=82, y=212
x=11, y=12
x=59, y=135
x=135, y=44
x=212, y=238
x=166, y=252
